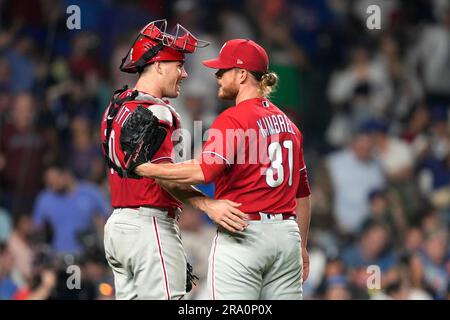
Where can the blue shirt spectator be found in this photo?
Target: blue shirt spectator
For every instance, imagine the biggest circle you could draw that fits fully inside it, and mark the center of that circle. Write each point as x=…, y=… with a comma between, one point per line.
x=7, y=286
x=21, y=66
x=372, y=249
x=68, y=207
x=435, y=173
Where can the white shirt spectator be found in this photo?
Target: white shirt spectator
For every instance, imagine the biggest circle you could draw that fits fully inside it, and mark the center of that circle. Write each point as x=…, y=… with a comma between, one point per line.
x=397, y=156
x=432, y=52
x=352, y=182
x=343, y=84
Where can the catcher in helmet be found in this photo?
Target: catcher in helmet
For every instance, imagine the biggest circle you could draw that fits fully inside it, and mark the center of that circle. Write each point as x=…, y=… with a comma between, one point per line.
x=142, y=239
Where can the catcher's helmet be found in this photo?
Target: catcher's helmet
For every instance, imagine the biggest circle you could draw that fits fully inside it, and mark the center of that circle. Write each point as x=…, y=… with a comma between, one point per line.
x=154, y=44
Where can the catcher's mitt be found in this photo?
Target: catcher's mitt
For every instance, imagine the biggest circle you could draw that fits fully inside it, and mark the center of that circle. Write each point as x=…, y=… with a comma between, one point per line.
x=190, y=277
x=140, y=138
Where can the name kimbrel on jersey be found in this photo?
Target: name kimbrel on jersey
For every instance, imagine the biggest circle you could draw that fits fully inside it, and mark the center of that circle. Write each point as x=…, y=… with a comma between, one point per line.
x=274, y=124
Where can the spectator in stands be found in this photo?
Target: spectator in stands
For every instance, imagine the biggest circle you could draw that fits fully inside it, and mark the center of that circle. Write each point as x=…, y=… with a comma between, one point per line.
x=398, y=162
x=21, y=248
x=5, y=225
x=24, y=149
x=69, y=207
x=354, y=174
x=429, y=267
x=7, y=285
x=394, y=155
x=361, y=91
x=386, y=208
x=440, y=132
x=337, y=289
x=20, y=57
x=406, y=88
x=429, y=58
x=84, y=154
x=415, y=131
x=373, y=248
x=434, y=181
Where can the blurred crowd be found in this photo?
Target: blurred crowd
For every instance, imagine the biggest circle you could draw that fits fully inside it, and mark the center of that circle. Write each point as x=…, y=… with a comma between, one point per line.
x=373, y=106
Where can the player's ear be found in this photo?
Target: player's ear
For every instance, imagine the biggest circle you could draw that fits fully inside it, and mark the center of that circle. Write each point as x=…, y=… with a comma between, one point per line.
x=243, y=75
x=159, y=67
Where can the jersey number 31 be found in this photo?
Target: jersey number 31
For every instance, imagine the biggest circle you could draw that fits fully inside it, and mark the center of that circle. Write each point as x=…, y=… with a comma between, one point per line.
x=276, y=165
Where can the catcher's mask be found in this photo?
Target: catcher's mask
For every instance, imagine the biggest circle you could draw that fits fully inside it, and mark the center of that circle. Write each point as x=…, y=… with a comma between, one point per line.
x=153, y=43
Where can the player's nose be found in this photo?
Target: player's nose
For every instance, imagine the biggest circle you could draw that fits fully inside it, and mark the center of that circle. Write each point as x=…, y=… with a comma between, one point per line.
x=184, y=74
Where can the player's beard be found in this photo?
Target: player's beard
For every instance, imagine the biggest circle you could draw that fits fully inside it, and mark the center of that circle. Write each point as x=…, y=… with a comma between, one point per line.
x=228, y=92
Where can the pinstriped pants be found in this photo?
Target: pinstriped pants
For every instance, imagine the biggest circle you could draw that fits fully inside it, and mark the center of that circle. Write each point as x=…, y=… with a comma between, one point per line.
x=143, y=247
x=263, y=262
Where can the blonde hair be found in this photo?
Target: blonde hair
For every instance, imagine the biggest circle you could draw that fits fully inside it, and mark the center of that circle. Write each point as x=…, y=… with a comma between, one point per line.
x=267, y=82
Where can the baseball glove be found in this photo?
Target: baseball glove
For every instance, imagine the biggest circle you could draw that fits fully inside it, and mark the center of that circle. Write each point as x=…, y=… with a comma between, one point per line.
x=140, y=138
x=190, y=277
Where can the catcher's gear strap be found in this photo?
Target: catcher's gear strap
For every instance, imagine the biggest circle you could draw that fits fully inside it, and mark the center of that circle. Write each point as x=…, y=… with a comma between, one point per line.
x=147, y=56
x=114, y=106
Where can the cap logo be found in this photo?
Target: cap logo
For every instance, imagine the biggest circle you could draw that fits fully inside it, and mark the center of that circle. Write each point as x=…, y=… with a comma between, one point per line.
x=239, y=61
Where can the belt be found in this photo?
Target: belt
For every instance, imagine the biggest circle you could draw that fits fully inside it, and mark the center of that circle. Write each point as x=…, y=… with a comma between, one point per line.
x=270, y=216
x=173, y=213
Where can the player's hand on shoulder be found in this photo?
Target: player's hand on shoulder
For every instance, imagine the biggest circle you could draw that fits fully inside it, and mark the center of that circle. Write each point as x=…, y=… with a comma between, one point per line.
x=226, y=214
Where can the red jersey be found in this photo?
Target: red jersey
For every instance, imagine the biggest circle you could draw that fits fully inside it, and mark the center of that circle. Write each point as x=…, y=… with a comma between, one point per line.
x=254, y=155
x=127, y=192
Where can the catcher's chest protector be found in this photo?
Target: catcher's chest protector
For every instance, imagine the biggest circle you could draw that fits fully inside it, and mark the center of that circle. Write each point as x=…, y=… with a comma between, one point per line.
x=161, y=109
x=115, y=104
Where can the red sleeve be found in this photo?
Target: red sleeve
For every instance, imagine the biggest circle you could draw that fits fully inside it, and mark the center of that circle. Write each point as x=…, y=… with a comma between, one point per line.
x=221, y=148
x=303, y=185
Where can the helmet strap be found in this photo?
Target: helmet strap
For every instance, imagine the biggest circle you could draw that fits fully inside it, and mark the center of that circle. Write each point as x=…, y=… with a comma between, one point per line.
x=147, y=56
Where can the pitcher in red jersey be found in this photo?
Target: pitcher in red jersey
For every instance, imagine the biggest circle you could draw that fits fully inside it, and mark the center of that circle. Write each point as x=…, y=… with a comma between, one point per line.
x=254, y=155
x=142, y=237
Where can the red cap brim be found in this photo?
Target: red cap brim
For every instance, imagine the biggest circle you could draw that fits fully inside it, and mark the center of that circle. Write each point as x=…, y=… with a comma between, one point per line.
x=216, y=64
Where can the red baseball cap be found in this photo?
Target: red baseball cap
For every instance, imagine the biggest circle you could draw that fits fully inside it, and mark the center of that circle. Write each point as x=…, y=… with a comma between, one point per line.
x=240, y=53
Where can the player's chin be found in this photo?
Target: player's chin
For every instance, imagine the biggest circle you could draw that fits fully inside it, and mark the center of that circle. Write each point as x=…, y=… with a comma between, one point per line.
x=178, y=90
x=174, y=94
x=221, y=94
